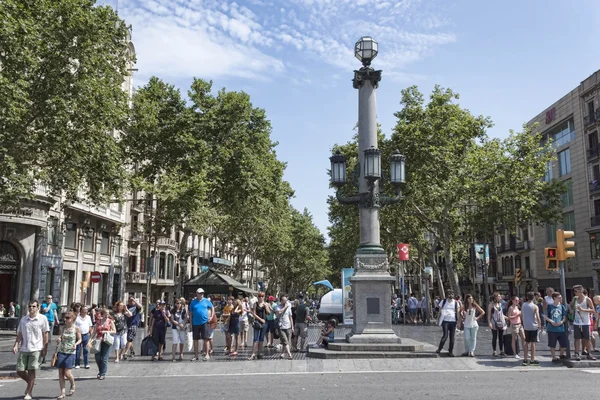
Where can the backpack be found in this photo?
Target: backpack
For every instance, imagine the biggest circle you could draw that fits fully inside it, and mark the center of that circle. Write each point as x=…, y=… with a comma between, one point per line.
x=498, y=321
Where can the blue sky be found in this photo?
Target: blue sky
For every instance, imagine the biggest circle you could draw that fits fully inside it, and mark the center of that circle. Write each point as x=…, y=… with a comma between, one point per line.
x=508, y=60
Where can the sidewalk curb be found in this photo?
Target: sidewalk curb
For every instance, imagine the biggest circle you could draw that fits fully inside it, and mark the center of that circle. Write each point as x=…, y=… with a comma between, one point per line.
x=581, y=364
x=8, y=374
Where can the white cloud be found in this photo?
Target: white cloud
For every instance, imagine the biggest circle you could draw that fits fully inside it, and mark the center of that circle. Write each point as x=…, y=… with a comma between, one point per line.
x=252, y=38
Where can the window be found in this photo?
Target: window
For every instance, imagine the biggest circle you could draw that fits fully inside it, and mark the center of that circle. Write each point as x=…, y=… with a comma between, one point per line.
x=162, y=265
x=567, y=197
x=104, y=243
x=550, y=233
x=564, y=162
x=595, y=246
x=132, y=263
x=88, y=242
x=71, y=237
x=593, y=141
x=527, y=264
x=170, y=262
x=548, y=176
x=562, y=133
x=569, y=221
x=143, y=261
x=118, y=247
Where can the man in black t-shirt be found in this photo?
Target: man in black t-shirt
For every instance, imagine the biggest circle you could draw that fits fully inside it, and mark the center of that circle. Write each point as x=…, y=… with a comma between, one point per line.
x=300, y=326
x=133, y=321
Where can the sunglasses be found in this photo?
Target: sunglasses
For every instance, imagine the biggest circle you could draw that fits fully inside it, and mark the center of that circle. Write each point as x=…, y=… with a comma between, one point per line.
x=67, y=318
x=32, y=306
x=260, y=297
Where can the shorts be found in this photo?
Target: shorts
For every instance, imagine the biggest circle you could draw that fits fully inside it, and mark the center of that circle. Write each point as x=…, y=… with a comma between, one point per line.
x=301, y=330
x=211, y=334
x=131, y=333
x=270, y=325
x=159, y=335
x=200, y=332
x=581, y=332
x=179, y=337
x=531, y=336
x=64, y=360
x=259, y=335
x=28, y=360
x=244, y=325
x=516, y=329
x=286, y=335
x=412, y=311
x=560, y=337
x=120, y=340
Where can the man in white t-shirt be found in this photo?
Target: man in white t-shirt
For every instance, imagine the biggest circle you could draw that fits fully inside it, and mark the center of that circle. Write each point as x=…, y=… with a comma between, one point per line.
x=448, y=318
x=286, y=326
x=31, y=344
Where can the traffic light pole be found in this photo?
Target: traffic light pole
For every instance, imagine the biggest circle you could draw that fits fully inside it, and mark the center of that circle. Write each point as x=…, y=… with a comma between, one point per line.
x=563, y=290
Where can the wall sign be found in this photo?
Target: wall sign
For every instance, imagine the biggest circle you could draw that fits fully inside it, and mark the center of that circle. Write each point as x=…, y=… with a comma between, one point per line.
x=550, y=115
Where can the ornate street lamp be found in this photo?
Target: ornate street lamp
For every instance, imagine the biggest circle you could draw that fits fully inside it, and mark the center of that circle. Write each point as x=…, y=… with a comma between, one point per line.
x=371, y=283
x=366, y=50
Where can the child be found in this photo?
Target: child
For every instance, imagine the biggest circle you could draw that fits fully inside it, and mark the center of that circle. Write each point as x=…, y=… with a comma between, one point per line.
x=327, y=335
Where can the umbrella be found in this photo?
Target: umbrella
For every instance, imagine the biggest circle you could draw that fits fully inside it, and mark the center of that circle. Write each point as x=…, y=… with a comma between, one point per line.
x=324, y=283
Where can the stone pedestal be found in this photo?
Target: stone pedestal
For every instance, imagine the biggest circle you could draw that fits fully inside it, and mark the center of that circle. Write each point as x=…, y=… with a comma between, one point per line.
x=371, y=288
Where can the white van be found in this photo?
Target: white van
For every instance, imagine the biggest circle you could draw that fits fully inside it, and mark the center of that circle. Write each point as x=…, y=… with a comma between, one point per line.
x=331, y=307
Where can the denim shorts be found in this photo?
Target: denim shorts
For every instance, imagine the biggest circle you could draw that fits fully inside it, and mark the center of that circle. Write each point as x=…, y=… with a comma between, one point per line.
x=64, y=360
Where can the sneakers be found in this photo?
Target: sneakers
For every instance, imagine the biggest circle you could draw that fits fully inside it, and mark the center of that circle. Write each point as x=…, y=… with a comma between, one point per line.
x=534, y=363
x=194, y=359
x=525, y=363
x=577, y=357
x=206, y=358
x=494, y=354
x=517, y=357
x=77, y=367
x=87, y=367
x=591, y=357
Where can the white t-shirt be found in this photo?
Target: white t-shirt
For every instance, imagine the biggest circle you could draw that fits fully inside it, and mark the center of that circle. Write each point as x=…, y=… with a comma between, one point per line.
x=32, y=330
x=84, y=324
x=448, y=311
x=285, y=318
x=245, y=311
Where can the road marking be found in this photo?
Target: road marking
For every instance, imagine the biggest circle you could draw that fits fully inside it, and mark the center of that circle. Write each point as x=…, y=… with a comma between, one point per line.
x=220, y=375
x=591, y=371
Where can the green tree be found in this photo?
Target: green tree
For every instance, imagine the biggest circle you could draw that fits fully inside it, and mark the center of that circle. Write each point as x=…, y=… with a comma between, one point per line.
x=63, y=63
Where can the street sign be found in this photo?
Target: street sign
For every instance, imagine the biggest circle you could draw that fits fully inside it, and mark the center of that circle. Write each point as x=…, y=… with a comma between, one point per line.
x=95, y=277
x=403, y=250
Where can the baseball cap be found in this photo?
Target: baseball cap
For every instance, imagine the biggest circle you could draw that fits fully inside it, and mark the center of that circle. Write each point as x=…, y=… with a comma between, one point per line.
x=200, y=290
x=163, y=302
x=271, y=298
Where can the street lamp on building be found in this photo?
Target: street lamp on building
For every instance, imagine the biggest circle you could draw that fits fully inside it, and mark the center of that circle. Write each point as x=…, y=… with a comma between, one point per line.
x=371, y=281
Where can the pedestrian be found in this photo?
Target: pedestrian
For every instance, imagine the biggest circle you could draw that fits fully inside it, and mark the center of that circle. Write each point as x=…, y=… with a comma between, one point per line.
x=93, y=312
x=556, y=315
x=516, y=325
x=102, y=330
x=225, y=323
x=120, y=337
x=158, y=328
x=2, y=311
x=327, y=335
x=300, y=326
x=496, y=323
x=84, y=323
x=582, y=307
x=67, y=342
x=48, y=309
x=201, y=310
x=286, y=327
x=470, y=314
x=548, y=300
x=180, y=328
x=233, y=330
x=17, y=309
x=260, y=312
x=448, y=319
x=11, y=310
x=31, y=344
x=133, y=322
x=76, y=308
x=270, y=329
x=530, y=315
x=412, y=308
x=244, y=323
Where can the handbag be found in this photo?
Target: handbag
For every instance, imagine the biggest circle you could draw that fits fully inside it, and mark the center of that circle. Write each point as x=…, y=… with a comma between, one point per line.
x=54, y=359
x=258, y=325
x=108, y=339
x=95, y=346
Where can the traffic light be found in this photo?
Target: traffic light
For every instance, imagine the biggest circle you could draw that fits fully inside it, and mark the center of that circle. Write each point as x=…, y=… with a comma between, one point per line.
x=551, y=258
x=518, y=275
x=563, y=245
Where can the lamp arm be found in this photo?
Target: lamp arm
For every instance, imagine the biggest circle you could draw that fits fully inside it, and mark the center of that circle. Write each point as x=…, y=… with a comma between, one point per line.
x=354, y=199
x=385, y=200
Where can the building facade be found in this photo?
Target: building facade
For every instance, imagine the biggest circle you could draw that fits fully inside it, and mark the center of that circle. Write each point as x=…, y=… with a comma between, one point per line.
x=572, y=123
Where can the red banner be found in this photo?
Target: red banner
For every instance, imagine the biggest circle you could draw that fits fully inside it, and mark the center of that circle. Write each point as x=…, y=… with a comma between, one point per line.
x=403, y=251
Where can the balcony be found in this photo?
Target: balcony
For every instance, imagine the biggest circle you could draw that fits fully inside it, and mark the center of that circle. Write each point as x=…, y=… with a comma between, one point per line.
x=593, y=153
x=135, y=277
x=595, y=220
x=594, y=186
x=137, y=236
x=138, y=205
x=163, y=241
x=590, y=119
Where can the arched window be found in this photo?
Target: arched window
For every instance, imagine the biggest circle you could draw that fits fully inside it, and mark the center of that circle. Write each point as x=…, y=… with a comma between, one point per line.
x=170, y=262
x=162, y=264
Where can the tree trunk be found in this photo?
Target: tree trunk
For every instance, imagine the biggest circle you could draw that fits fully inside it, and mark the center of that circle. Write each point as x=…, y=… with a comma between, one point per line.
x=452, y=277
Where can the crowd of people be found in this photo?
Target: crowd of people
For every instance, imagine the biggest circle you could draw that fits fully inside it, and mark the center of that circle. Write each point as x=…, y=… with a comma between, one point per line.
x=13, y=310
x=100, y=330
x=525, y=320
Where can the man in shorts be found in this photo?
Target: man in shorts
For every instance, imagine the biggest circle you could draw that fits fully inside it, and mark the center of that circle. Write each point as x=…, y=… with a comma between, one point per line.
x=133, y=322
x=31, y=344
x=301, y=327
x=556, y=315
x=530, y=314
x=201, y=311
